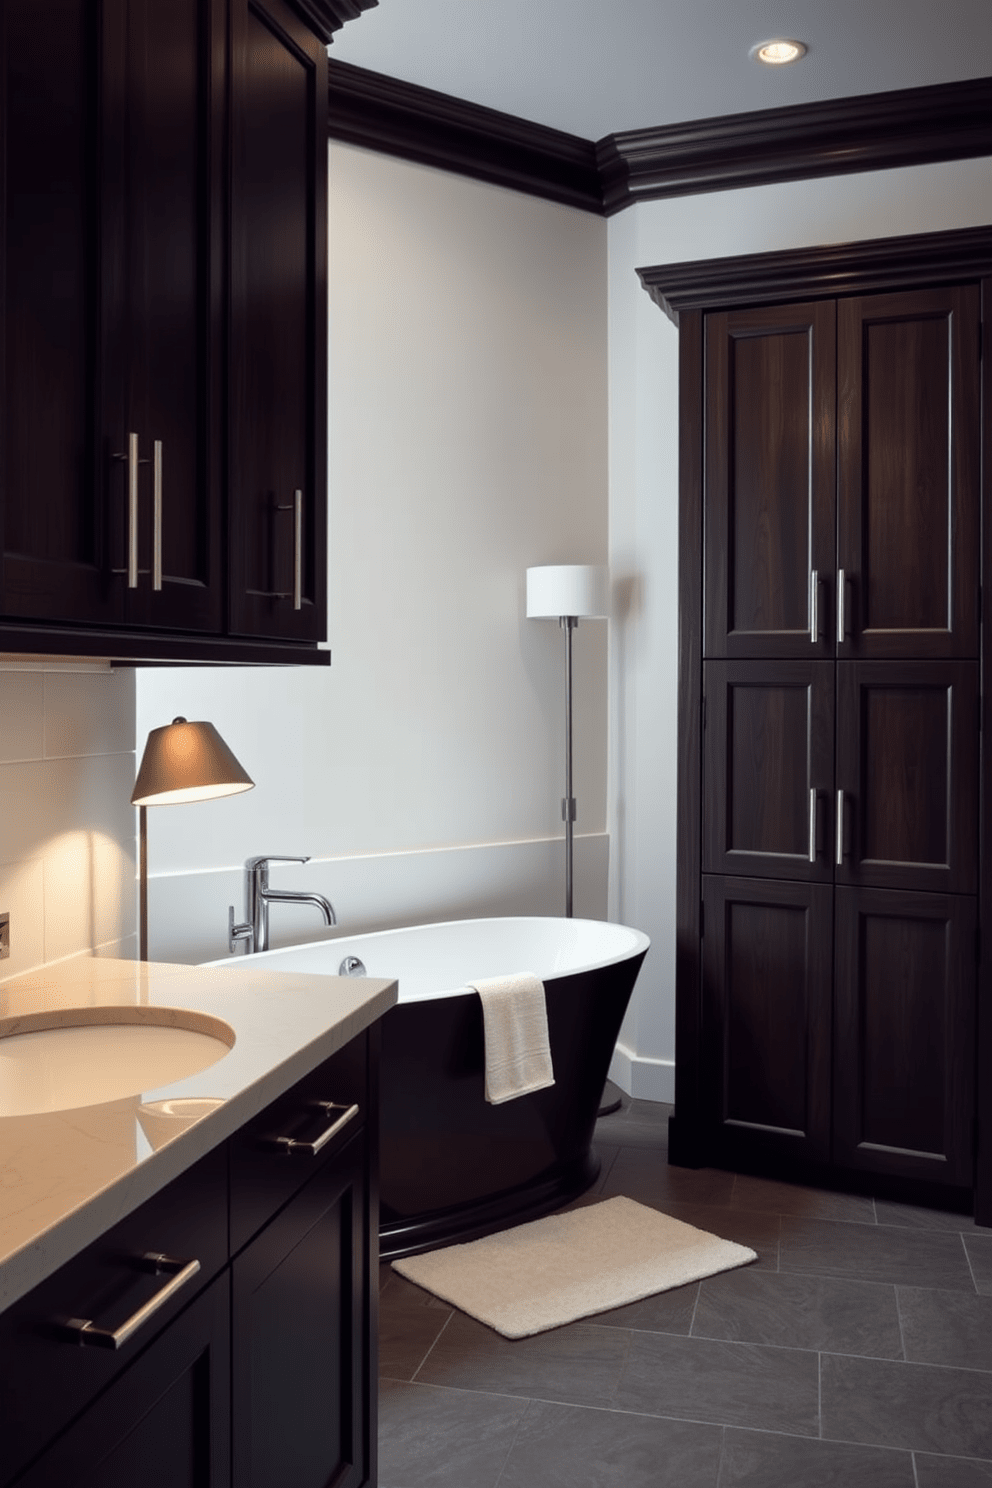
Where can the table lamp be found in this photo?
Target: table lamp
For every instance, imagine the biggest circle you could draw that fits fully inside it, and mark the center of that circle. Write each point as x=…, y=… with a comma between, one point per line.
x=182, y=762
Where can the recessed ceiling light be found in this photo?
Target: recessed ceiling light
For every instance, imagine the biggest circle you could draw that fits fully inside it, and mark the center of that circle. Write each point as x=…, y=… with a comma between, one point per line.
x=775, y=53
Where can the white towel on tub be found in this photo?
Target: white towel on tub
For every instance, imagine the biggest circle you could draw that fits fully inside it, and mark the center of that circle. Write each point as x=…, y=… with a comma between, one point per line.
x=518, y=1051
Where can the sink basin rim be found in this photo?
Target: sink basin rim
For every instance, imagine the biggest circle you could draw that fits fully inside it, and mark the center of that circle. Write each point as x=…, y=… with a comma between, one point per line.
x=105, y=1015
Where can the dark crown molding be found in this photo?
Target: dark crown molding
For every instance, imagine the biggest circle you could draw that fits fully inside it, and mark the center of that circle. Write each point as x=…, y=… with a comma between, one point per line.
x=869, y=267
x=397, y=118
x=875, y=131
x=328, y=16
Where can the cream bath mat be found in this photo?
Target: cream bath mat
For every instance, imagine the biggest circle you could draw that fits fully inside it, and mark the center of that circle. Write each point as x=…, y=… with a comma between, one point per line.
x=567, y=1266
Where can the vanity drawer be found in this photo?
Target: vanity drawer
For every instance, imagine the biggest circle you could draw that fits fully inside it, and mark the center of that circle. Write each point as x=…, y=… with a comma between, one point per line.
x=46, y=1376
x=293, y=1138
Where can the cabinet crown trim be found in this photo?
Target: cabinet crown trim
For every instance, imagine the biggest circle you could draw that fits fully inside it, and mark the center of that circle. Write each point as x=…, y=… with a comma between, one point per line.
x=872, y=266
x=328, y=16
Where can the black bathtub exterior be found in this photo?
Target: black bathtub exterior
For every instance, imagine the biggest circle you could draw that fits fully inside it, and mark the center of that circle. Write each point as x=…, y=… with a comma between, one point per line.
x=453, y=1167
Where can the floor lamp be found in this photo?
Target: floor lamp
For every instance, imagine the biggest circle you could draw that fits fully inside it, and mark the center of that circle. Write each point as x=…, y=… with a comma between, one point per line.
x=568, y=593
x=182, y=762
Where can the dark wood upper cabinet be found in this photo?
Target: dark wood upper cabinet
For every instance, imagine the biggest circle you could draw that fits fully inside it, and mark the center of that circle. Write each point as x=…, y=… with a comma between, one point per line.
x=909, y=473
x=161, y=292
x=770, y=478
x=842, y=477
x=279, y=310
x=164, y=328
x=54, y=530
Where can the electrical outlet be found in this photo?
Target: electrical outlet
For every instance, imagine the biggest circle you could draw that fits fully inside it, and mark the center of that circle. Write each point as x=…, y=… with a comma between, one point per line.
x=4, y=936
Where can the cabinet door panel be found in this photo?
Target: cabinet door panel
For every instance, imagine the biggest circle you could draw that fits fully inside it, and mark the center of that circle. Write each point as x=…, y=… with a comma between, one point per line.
x=768, y=744
x=279, y=300
x=53, y=1380
x=907, y=761
x=904, y=1034
x=174, y=228
x=165, y=1422
x=767, y=974
x=769, y=484
x=54, y=536
x=909, y=472
x=301, y=1308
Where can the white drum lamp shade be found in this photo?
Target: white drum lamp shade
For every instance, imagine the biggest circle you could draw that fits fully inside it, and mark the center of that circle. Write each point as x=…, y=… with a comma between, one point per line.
x=579, y=589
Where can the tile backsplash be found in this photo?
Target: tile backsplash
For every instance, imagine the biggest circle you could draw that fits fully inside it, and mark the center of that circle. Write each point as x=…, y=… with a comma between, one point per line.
x=67, y=762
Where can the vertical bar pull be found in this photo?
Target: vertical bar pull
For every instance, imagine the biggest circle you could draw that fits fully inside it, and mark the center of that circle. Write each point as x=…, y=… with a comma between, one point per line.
x=840, y=829
x=297, y=550
x=132, y=511
x=157, y=516
x=841, y=591
x=812, y=825
x=814, y=609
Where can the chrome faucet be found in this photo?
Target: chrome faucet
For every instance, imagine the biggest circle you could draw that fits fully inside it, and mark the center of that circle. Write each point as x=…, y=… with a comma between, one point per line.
x=254, y=933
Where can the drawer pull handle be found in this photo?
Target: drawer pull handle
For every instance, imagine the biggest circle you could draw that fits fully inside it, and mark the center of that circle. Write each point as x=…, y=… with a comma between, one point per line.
x=86, y=1332
x=310, y=1149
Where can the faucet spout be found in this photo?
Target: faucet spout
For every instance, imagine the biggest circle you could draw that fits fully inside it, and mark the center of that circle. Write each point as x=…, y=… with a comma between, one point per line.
x=258, y=897
x=288, y=896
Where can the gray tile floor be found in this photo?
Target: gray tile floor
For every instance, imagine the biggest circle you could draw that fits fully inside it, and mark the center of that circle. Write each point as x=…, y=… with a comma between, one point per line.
x=857, y=1350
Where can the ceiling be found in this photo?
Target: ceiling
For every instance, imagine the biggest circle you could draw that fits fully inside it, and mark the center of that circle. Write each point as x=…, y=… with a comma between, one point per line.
x=596, y=67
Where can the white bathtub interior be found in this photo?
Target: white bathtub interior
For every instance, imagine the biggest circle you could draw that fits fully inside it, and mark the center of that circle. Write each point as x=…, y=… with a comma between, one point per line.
x=438, y=960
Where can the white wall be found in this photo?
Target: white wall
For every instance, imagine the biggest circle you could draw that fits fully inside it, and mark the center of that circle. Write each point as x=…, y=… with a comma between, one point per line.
x=644, y=514
x=66, y=826
x=470, y=390
x=467, y=441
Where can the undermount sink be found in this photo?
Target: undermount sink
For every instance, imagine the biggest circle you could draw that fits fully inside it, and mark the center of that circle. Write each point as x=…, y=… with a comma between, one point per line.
x=62, y=1060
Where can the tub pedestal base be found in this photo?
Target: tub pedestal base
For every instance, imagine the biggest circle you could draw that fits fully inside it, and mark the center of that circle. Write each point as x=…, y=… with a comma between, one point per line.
x=402, y=1237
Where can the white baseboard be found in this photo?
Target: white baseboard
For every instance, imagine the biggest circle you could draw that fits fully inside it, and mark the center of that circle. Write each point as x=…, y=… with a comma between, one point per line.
x=641, y=1078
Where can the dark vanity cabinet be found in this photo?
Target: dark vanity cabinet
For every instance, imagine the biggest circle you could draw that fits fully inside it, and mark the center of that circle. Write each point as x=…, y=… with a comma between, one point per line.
x=831, y=700
x=163, y=319
x=260, y=1370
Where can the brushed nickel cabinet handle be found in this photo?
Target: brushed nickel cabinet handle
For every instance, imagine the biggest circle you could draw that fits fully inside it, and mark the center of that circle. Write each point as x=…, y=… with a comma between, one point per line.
x=86, y=1331
x=840, y=829
x=157, y=515
x=814, y=608
x=132, y=461
x=296, y=507
x=841, y=590
x=132, y=511
x=812, y=825
x=297, y=550
x=310, y=1149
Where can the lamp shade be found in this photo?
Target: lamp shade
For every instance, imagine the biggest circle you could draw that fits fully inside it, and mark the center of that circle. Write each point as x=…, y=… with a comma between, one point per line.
x=578, y=589
x=187, y=762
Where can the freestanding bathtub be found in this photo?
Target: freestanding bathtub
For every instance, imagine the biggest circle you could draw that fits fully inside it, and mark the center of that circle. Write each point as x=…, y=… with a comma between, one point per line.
x=452, y=1166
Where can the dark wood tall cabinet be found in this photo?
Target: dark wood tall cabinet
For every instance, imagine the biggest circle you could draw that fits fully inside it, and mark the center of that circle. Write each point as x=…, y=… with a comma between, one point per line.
x=831, y=664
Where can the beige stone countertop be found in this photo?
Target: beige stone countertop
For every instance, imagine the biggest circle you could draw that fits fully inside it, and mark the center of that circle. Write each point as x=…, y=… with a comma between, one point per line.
x=68, y=1175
